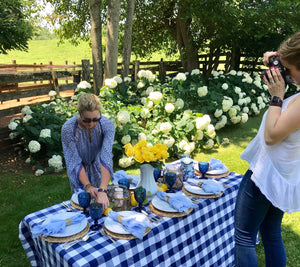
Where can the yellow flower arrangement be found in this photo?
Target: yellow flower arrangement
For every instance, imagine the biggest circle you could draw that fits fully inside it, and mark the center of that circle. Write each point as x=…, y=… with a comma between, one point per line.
x=146, y=152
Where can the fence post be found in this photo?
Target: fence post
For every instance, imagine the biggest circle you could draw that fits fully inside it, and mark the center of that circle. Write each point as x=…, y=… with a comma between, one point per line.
x=162, y=68
x=66, y=69
x=86, y=73
x=55, y=81
x=136, y=69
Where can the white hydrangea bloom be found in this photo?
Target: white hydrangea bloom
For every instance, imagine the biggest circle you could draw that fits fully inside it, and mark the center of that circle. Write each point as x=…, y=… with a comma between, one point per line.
x=265, y=87
x=182, y=144
x=142, y=136
x=165, y=127
x=189, y=148
x=155, y=96
x=123, y=116
x=239, y=73
x=39, y=172
x=149, y=90
x=27, y=118
x=232, y=112
x=244, y=118
x=224, y=86
x=221, y=123
x=154, y=132
x=45, y=133
x=149, y=104
x=126, y=139
x=248, y=99
x=245, y=109
x=199, y=135
x=238, y=90
x=202, y=91
x=209, y=144
x=34, y=146
x=12, y=125
x=215, y=74
x=111, y=83
x=236, y=119
x=127, y=79
x=218, y=113
x=232, y=72
x=26, y=110
x=142, y=74
x=27, y=160
x=189, y=127
x=211, y=131
x=13, y=135
x=169, y=142
x=143, y=100
x=257, y=83
x=179, y=104
x=125, y=162
x=145, y=113
x=140, y=85
x=118, y=79
x=195, y=72
x=84, y=85
x=227, y=103
x=56, y=163
x=52, y=93
x=202, y=122
x=169, y=107
x=180, y=77
x=241, y=101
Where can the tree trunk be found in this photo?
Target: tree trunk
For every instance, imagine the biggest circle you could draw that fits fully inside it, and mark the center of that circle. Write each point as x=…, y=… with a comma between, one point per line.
x=112, y=36
x=127, y=38
x=96, y=39
x=187, y=47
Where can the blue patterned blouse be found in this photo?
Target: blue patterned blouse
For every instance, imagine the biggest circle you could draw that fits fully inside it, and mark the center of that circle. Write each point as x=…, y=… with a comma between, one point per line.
x=80, y=152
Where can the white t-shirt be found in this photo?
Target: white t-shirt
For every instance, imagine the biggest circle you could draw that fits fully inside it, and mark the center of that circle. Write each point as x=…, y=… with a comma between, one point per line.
x=276, y=168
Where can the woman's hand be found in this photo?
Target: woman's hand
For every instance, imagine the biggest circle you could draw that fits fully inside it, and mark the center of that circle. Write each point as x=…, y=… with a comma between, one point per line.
x=275, y=82
x=102, y=199
x=267, y=56
x=93, y=191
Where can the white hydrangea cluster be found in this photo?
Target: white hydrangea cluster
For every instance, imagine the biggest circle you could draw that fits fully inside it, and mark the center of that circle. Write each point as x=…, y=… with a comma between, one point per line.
x=126, y=139
x=195, y=72
x=39, y=172
x=118, y=79
x=225, y=86
x=145, y=113
x=149, y=90
x=140, y=85
x=84, y=85
x=165, y=127
x=210, y=131
x=209, y=144
x=27, y=118
x=244, y=118
x=111, y=83
x=227, y=103
x=179, y=103
x=247, y=78
x=236, y=119
x=232, y=72
x=154, y=132
x=218, y=113
x=56, y=163
x=146, y=74
x=221, y=123
x=52, y=93
x=123, y=116
x=149, y=104
x=155, y=96
x=180, y=77
x=13, y=135
x=45, y=133
x=169, y=142
x=142, y=136
x=186, y=147
x=12, y=125
x=127, y=79
x=26, y=111
x=34, y=146
x=169, y=107
x=202, y=122
x=125, y=162
x=202, y=91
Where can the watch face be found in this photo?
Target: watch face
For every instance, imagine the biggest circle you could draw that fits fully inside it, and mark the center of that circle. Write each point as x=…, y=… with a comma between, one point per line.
x=276, y=99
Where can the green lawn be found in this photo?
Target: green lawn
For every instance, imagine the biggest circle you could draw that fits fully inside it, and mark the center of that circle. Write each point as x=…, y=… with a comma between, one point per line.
x=21, y=194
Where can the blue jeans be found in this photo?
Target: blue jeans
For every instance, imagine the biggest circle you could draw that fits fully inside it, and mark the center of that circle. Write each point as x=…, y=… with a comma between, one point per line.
x=253, y=213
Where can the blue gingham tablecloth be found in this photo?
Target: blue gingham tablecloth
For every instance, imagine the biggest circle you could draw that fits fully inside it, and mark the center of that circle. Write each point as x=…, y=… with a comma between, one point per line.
x=203, y=238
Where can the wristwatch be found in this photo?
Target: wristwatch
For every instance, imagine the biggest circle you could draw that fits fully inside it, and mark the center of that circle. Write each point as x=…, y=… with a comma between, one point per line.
x=276, y=101
x=102, y=190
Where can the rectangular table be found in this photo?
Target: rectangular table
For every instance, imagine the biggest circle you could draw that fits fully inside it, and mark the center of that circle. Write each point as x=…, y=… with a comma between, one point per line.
x=203, y=238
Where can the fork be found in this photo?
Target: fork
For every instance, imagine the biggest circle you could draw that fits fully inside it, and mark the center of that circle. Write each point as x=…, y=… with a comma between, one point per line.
x=155, y=217
x=102, y=232
x=68, y=208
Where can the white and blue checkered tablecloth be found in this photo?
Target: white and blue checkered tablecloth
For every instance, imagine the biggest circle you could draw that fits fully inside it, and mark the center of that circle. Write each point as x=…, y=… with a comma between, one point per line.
x=203, y=238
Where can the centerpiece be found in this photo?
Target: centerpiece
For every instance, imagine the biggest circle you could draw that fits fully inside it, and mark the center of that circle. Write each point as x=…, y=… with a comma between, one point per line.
x=149, y=156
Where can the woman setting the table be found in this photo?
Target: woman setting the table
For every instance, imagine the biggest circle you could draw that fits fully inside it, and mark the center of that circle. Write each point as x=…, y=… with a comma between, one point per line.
x=271, y=186
x=87, y=141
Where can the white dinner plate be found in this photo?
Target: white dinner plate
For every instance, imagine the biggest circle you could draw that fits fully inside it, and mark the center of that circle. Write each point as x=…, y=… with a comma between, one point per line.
x=70, y=229
x=195, y=189
x=75, y=198
x=164, y=205
x=217, y=171
x=117, y=228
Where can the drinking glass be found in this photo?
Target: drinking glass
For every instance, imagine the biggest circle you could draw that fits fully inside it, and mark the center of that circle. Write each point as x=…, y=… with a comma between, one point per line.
x=84, y=199
x=124, y=182
x=170, y=180
x=156, y=174
x=203, y=167
x=95, y=210
x=140, y=196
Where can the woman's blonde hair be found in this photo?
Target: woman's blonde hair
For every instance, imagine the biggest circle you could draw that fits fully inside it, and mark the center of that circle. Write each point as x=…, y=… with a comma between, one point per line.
x=88, y=102
x=289, y=50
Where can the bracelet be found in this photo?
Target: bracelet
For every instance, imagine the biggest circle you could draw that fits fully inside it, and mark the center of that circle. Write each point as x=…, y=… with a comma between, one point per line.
x=276, y=101
x=86, y=187
x=102, y=190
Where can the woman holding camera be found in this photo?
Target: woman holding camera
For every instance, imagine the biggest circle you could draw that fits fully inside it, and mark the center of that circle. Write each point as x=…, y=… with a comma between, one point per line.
x=87, y=141
x=271, y=186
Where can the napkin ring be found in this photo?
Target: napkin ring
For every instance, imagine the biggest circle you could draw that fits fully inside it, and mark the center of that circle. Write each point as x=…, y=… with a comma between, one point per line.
x=68, y=221
x=120, y=217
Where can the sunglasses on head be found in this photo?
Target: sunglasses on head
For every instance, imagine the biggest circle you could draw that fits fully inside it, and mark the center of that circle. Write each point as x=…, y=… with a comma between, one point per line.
x=91, y=120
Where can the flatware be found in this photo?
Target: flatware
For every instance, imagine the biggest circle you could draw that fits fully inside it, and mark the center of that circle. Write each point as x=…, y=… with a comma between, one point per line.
x=84, y=238
x=68, y=208
x=155, y=218
x=102, y=232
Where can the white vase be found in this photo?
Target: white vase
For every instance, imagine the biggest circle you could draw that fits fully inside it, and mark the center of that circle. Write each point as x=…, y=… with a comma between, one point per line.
x=147, y=180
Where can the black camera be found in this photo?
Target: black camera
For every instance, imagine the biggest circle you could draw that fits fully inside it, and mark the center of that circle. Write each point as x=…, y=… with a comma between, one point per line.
x=275, y=62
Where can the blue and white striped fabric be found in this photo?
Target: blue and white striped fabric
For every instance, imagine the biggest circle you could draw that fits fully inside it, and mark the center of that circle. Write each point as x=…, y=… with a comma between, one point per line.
x=203, y=238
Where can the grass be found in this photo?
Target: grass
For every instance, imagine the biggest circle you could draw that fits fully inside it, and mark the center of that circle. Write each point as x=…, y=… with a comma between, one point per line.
x=44, y=51
x=21, y=194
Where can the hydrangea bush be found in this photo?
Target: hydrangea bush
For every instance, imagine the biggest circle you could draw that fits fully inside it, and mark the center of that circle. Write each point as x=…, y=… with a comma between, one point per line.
x=183, y=113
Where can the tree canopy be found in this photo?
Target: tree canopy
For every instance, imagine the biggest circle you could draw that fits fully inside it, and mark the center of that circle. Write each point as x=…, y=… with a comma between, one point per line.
x=15, y=26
